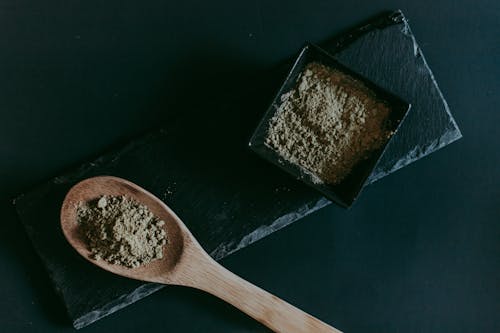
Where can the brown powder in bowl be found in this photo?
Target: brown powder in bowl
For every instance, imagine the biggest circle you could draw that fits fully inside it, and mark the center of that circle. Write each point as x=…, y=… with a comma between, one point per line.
x=328, y=123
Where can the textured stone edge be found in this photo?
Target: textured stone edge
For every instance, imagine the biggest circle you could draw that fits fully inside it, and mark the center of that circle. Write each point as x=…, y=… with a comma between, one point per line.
x=225, y=249
x=119, y=303
x=447, y=138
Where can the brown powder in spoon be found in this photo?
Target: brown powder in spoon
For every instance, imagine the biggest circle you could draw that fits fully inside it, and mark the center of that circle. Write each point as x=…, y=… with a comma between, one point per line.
x=121, y=231
x=328, y=123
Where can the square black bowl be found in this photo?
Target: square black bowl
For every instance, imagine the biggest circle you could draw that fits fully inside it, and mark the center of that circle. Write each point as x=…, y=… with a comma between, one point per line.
x=345, y=192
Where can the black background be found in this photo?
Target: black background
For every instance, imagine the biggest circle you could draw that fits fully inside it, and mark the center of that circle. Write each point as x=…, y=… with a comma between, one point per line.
x=419, y=251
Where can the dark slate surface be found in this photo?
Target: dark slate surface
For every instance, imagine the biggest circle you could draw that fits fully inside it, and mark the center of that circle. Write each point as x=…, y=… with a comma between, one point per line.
x=228, y=197
x=389, y=55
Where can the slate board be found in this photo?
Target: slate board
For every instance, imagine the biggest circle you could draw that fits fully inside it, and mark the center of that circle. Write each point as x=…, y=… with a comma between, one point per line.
x=226, y=195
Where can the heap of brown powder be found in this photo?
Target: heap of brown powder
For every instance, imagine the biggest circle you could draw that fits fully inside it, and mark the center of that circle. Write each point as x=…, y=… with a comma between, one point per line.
x=328, y=123
x=121, y=231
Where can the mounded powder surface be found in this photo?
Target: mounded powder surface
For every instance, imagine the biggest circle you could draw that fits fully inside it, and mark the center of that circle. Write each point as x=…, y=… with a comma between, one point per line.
x=121, y=231
x=328, y=123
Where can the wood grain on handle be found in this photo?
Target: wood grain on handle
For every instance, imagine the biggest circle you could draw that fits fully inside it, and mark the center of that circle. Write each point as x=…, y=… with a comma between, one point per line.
x=264, y=307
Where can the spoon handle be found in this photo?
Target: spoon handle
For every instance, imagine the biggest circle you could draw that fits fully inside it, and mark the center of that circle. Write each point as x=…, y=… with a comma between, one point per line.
x=264, y=307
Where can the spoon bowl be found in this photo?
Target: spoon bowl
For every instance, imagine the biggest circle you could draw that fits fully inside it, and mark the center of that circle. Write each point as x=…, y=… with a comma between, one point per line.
x=93, y=188
x=184, y=261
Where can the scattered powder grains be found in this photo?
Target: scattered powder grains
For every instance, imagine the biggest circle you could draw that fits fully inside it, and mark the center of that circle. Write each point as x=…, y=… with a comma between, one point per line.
x=328, y=123
x=121, y=231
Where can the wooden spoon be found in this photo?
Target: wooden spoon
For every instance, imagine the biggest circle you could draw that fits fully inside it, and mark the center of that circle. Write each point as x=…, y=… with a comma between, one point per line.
x=184, y=261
